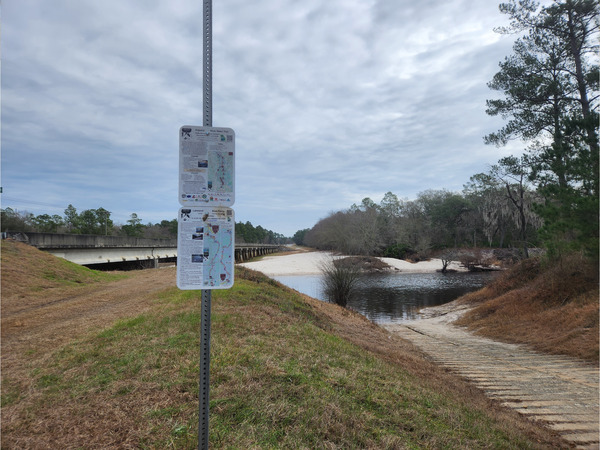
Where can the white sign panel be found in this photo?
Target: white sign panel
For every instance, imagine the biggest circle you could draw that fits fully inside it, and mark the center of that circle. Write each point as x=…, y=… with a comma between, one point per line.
x=205, y=248
x=206, y=166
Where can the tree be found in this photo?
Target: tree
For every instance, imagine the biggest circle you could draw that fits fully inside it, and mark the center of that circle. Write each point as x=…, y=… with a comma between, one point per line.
x=550, y=87
x=415, y=227
x=447, y=256
x=170, y=226
x=331, y=233
x=134, y=227
x=364, y=236
x=445, y=211
x=93, y=221
x=572, y=26
x=299, y=236
x=46, y=223
x=71, y=218
x=390, y=205
x=512, y=172
x=12, y=220
x=248, y=233
x=166, y=229
x=103, y=217
x=487, y=195
x=390, y=210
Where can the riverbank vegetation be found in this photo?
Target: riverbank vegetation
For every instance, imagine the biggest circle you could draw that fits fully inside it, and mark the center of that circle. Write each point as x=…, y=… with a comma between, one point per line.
x=339, y=280
x=553, y=308
x=286, y=371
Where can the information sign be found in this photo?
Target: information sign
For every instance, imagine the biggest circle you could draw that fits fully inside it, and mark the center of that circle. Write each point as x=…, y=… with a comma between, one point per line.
x=206, y=166
x=205, y=248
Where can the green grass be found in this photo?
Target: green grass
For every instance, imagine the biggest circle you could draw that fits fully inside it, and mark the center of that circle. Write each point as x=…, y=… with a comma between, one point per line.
x=279, y=379
x=70, y=274
x=28, y=267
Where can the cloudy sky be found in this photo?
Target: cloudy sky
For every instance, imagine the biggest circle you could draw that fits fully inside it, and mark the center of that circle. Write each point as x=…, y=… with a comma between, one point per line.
x=331, y=101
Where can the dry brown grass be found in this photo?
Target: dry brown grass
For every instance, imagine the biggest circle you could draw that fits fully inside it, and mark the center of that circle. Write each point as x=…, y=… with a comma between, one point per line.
x=551, y=307
x=47, y=301
x=35, y=271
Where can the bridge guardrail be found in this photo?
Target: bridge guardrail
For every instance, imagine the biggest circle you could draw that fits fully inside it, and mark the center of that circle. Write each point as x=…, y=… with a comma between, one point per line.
x=60, y=243
x=57, y=240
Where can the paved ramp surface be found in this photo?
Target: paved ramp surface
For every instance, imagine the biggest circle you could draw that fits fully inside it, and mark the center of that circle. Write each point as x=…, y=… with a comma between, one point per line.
x=558, y=390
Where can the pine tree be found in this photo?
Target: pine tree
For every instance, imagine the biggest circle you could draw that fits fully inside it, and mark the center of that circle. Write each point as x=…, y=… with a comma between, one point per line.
x=550, y=87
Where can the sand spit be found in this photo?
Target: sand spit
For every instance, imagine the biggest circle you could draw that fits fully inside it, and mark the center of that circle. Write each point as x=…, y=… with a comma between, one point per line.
x=309, y=263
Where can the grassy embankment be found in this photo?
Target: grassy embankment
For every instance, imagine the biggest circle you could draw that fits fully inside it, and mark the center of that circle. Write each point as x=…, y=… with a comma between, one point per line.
x=286, y=372
x=551, y=307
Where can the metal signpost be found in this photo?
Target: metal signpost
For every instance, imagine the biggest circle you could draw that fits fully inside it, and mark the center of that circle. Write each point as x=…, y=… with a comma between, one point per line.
x=204, y=391
x=206, y=224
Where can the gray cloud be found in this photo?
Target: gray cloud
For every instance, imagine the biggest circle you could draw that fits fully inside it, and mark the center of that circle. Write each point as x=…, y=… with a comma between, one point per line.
x=331, y=101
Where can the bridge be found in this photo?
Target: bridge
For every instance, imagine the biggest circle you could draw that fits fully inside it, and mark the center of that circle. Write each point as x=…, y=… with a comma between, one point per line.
x=87, y=250
x=244, y=252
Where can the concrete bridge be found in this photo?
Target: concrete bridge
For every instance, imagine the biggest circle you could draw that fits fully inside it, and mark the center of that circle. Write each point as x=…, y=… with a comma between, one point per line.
x=244, y=252
x=85, y=249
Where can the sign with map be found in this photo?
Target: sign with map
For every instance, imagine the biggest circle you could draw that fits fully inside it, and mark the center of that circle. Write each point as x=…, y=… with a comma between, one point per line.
x=206, y=166
x=205, y=248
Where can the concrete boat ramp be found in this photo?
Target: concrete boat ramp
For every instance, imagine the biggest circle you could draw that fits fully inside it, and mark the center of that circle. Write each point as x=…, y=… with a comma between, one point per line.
x=561, y=391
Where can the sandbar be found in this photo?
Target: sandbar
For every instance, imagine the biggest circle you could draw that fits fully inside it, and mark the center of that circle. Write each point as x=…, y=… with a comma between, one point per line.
x=310, y=263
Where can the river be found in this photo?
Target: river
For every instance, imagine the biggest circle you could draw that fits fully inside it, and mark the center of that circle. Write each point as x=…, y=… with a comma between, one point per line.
x=396, y=298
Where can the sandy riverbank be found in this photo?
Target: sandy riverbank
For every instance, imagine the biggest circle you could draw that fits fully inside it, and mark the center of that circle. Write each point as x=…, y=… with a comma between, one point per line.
x=309, y=263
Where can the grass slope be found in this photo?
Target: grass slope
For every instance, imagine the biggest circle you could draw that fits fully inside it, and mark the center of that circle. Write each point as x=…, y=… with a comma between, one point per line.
x=30, y=270
x=286, y=372
x=550, y=307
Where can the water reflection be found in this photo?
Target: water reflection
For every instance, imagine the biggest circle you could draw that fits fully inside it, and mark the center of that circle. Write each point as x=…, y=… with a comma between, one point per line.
x=397, y=297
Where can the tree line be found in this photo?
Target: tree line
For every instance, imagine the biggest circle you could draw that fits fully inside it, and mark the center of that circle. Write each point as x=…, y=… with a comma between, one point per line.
x=548, y=195
x=89, y=221
x=435, y=220
x=98, y=221
x=250, y=234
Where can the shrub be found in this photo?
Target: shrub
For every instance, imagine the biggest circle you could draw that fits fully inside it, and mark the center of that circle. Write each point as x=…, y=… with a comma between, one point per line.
x=398, y=251
x=339, y=280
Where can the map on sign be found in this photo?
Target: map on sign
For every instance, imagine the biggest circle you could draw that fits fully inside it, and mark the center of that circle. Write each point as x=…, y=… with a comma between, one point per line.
x=206, y=166
x=220, y=171
x=205, y=248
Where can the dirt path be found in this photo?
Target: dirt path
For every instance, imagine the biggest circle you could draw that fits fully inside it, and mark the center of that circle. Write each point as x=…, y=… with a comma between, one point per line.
x=558, y=390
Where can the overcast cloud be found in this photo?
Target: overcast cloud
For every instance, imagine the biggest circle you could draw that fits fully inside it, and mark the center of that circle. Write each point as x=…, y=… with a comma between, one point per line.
x=331, y=101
